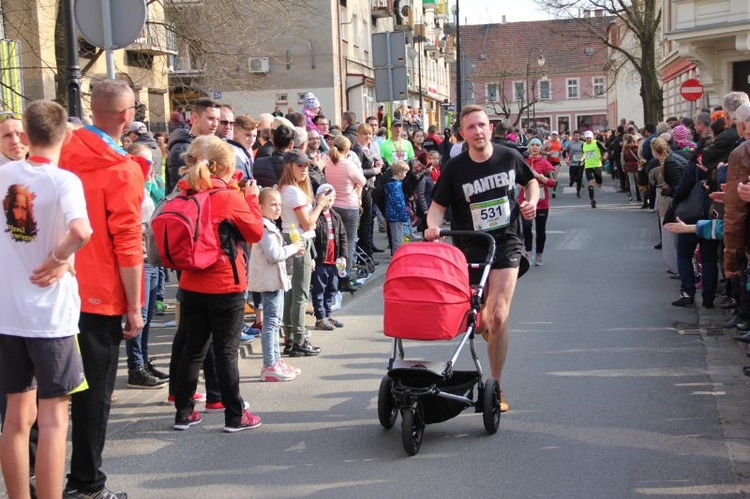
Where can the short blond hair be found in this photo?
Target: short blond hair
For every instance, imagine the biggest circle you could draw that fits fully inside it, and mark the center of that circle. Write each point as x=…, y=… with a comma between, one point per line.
x=399, y=167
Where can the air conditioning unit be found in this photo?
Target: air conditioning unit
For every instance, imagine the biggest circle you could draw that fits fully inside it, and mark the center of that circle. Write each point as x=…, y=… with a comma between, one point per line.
x=259, y=64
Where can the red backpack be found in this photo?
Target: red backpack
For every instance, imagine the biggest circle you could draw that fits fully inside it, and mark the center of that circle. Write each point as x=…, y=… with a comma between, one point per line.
x=183, y=231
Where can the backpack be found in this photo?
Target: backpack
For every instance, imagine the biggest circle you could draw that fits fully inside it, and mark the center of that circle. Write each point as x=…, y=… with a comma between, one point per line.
x=182, y=231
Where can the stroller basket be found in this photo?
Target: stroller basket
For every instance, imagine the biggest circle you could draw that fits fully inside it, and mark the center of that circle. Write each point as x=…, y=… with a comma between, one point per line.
x=427, y=293
x=436, y=409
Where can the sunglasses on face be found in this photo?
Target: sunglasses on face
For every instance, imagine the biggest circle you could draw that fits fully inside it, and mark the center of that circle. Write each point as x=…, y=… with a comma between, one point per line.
x=6, y=115
x=226, y=122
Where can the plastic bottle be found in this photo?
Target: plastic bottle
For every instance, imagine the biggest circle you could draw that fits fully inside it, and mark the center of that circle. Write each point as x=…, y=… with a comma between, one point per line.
x=341, y=266
x=293, y=233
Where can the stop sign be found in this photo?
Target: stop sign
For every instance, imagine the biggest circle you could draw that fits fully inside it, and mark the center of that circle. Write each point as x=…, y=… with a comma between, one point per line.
x=691, y=90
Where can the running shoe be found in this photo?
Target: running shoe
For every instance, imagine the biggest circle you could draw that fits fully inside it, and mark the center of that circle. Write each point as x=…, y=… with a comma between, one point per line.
x=334, y=322
x=248, y=422
x=503, y=403
x=182, y=423
x=276, y=372
x=197, y=397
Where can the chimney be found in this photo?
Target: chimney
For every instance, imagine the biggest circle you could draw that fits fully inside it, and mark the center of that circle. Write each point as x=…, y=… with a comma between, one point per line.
x=503, y=21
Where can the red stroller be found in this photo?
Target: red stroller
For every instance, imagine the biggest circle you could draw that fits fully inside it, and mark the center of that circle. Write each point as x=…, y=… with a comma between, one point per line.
x=428, y=297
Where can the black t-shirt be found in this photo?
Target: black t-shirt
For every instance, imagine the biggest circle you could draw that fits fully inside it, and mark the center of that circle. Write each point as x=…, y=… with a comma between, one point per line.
x=484, y=196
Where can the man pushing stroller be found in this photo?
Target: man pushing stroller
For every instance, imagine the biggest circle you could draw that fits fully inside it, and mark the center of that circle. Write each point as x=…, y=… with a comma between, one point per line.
x=479, y=187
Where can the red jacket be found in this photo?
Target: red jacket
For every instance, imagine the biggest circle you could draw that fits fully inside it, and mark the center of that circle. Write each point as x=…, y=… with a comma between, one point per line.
x=244, y=213
x=113, y=186
x=544, y=167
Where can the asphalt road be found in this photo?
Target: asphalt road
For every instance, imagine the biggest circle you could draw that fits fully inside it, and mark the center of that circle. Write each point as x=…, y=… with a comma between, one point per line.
x=613, y=392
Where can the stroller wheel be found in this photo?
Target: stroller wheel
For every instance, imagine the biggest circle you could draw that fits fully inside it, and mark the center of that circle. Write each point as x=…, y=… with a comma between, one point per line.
x=412, y=430
x=387, y=411
x=491, y=405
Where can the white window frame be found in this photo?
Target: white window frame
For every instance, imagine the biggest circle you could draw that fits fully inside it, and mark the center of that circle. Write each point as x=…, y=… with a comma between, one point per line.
x=517, y=97
x=570, y=84
x=496, y=92
x=282, y=99
x=602, y=81
x=549, y=90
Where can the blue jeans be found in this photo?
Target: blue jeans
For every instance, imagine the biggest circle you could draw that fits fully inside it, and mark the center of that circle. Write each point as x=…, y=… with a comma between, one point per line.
x=273, y=309
x=350, y=218
x=686, y=244
x=137, y=348
x=325, y=282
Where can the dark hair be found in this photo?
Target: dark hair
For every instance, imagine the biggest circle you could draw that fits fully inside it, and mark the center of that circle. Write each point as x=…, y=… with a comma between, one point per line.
x=297, y=119
x=202, y=104
x=650, y=127
x=282, y=137
x=319, y=117
x=350, y=117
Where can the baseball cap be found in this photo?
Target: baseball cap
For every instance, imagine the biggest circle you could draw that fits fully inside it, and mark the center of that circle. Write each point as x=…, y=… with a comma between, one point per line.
x=137, y=127
x=588, y=134
x=554, y=132
x=323, y=188
x=397, y=123
x=279, y=120
x=334, y=132
x=295, y=156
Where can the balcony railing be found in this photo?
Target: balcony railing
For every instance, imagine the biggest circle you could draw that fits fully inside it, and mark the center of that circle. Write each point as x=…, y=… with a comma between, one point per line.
x=156, y=38
x=382, y=8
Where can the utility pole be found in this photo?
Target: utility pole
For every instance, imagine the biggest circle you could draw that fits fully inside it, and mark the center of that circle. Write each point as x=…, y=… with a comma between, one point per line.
x=73, y=70
x=459, y=76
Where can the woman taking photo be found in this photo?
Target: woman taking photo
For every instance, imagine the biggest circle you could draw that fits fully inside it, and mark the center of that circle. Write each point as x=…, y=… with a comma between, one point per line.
x=297, y=210
x=212, y=300
x=348, y=180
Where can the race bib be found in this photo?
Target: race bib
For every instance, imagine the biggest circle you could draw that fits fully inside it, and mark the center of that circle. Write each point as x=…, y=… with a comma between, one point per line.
x=591, y=154
x=542, y=192
x=554, y=154
x=576, y=157
x=491, y=215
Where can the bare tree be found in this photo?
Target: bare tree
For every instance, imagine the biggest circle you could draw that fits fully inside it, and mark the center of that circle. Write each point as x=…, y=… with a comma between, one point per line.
x=642, y=18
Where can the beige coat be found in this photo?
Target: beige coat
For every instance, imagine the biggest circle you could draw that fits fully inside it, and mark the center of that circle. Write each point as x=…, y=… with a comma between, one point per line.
x=267, y=268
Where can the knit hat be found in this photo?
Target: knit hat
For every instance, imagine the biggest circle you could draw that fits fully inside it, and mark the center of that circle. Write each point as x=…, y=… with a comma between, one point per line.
x=680, y=133
x=311, y=102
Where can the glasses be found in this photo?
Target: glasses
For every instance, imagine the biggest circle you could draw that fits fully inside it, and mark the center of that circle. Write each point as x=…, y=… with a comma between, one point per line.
x=226, y=122
x=7, y=115
x=134, y=106
x=313, y=138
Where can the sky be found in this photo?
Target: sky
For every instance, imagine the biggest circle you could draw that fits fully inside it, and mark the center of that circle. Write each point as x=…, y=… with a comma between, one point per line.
x=491, y=11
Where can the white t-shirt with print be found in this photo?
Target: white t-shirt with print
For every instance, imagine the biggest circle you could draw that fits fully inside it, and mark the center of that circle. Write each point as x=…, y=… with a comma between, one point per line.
x=39, y=202
x=292, y=199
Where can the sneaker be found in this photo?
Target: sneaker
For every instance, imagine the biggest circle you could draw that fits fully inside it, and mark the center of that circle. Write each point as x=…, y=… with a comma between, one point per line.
x=276, y=372
x=153, y=371
x=324, y=325
x=161, y=308
x=538, y=260
x=144, y=380
x=197, y=397
x=104, y=493
x=593, y=203
x=503, y=403
x=306, y=349
x=685, y=300
x=248, y=422
x=294, y=370
x=250, y=330
x=247, y=338
x=218, y=407
x=182, y=424
x=334, y=322
x=287, y=348
x=532, y=261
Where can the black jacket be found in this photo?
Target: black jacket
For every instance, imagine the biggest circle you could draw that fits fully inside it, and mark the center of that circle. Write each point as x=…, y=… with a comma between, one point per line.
x=321, y=238
x=267, y=170
x=719, y=149
x=178, y=145
x=350, y=133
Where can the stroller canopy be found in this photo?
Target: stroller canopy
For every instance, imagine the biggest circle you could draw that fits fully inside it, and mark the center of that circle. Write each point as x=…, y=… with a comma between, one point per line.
x=426, y=293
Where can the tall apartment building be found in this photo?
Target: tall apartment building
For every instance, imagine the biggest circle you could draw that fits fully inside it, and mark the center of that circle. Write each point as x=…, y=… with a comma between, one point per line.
x=258, y=56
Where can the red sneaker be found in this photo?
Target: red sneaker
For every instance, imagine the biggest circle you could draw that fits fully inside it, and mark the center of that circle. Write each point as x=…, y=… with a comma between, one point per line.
x=197, y=397
x=248, y=422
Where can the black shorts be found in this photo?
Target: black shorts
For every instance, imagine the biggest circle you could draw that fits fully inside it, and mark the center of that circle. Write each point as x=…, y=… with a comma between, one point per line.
x=594, y=174
x=51, y=365
x=507, y=256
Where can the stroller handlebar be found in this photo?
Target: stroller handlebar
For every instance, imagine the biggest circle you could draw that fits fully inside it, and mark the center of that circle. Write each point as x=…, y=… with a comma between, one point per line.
x=476, y=234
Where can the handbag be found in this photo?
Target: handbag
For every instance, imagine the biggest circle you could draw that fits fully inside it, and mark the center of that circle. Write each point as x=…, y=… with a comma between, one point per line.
x=695, y=206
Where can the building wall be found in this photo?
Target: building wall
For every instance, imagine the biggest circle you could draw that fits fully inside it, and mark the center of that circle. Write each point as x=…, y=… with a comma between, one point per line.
x=705, y=39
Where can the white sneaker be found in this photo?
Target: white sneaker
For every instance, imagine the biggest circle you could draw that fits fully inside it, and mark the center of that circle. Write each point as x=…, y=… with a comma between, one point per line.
x=276, y=372
x=538, y=261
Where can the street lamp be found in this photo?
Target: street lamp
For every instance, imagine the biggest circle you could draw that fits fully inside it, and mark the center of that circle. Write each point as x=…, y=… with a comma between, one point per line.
x=540, y=61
